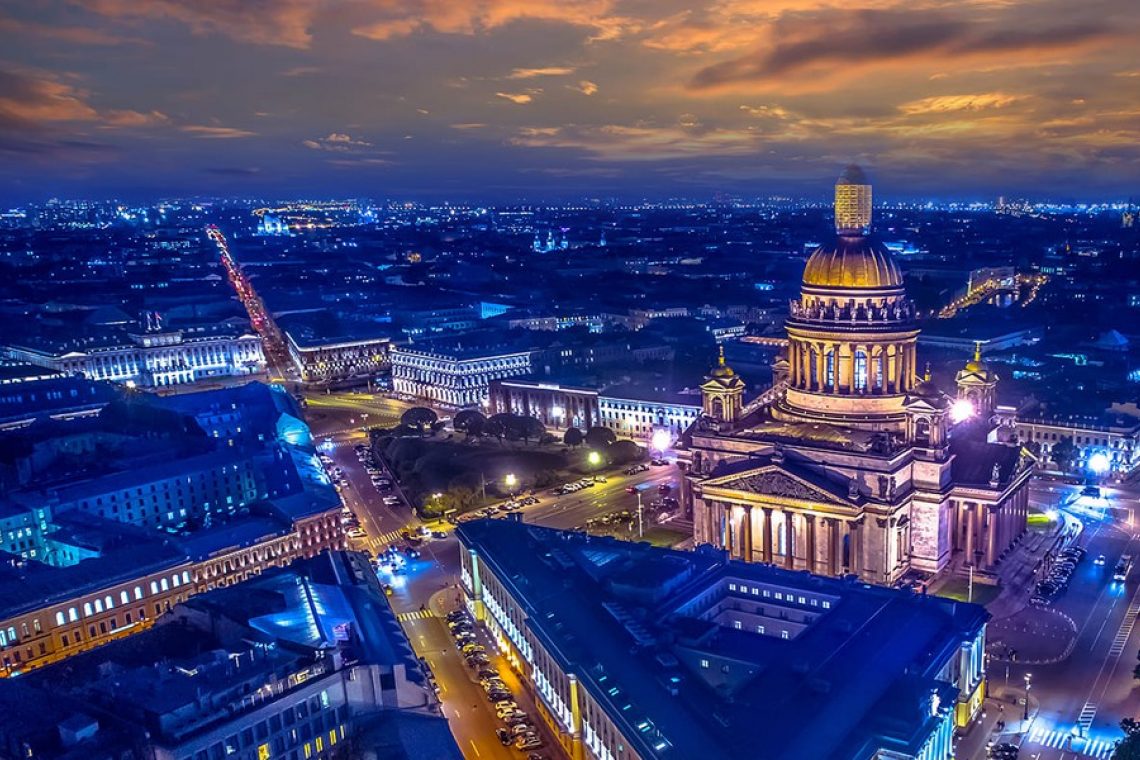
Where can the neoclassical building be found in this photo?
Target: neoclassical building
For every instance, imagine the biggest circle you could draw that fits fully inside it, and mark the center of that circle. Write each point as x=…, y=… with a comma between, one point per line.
x=855, y=461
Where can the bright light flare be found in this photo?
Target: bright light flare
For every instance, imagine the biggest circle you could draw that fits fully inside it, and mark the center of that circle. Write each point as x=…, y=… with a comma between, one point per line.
x=961, y=410
x=594, y=458
x=1098, y=463
x=511, y=480
x=661, y=439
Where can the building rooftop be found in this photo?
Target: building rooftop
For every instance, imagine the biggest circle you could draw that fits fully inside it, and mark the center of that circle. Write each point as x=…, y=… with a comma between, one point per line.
x=647, y=632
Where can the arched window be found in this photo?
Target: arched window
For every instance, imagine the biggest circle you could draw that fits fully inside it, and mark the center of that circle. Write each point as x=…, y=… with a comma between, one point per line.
x=124, y=598
x=860, y=370
x=98, y=605
x=72, y=614
x=718, y=408
x=108, y=602
x=59, y=618
x=164, y=585
x=87, y=609
x=831, y=369
x=922, y=430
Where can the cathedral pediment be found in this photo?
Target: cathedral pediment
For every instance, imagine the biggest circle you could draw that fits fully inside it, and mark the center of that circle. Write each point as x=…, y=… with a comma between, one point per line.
x=774, y=481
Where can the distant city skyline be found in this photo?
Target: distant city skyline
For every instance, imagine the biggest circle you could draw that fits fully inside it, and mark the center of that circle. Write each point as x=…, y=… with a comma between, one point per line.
x=503, y=101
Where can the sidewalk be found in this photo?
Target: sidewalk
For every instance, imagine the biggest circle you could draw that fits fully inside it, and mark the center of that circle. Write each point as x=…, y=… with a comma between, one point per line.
x=1002, y=704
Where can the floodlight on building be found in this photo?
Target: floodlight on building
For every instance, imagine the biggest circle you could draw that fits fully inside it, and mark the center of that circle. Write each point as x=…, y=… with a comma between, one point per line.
x=961, y=410
x=661, y=440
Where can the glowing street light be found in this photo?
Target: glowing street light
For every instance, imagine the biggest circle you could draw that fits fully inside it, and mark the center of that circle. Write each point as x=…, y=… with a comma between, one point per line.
x=661, y=440
x=1098, y=463
x=511, y=481
x=961, y=410
x=594, y=458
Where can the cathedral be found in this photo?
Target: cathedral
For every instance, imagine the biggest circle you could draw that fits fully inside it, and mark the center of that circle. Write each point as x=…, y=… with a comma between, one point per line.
x=854, y=461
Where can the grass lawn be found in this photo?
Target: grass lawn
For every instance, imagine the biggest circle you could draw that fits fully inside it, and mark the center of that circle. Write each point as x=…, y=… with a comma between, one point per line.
x=429, y=465
x=1040, y=520
x=660, y=535
x=959, y=589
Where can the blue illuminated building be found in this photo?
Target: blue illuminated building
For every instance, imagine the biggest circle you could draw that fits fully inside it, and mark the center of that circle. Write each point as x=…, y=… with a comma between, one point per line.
x=636, y=652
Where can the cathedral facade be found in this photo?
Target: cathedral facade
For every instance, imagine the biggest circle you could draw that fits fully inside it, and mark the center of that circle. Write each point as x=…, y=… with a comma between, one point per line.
x=854, y=461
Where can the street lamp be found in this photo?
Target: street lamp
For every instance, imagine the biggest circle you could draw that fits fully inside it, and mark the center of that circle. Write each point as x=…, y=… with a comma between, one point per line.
x=1099, y=463
x=511, y=481
x=594, y=458
x=1028, y=682
x=661, y=440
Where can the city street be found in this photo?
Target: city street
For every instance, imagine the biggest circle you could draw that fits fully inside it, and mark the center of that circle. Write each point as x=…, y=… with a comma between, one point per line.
x=1080, y=694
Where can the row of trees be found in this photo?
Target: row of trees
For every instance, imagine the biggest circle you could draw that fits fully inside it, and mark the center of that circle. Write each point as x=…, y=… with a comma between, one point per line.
x=512, y=427
x=595, y=437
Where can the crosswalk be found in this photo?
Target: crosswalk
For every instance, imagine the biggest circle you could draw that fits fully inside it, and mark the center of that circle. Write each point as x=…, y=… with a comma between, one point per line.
x=407, y=617
x=1099, y=749
x=1088, y=712
x=1125, y=630
x=388, y=538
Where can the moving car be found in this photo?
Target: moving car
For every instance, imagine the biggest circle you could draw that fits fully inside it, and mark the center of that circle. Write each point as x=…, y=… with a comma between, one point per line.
x=1100, y=560
x=1123, y=567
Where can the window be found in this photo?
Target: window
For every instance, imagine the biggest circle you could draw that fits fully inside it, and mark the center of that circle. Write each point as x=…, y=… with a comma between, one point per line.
x=72, y=615
x=704, y=663
x=759, y=629
x=860, y=370
x=138, y=593
x=826, y=604
x=783, y=634
x=87, y=609
x=124, y=597
x=59, y=620
x=736, y=624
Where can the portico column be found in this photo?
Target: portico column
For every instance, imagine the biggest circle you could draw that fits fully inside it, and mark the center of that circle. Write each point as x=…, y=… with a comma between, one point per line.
x=810, y=543
x=767, y=534
x=991, y=514
x=748, y=533
x=851, y=348
x=855, y=535
x=789, y=539
x=834, y=546
x=968, y=510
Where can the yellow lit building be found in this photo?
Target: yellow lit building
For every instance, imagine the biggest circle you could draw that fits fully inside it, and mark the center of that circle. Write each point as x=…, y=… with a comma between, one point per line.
x=854, y=461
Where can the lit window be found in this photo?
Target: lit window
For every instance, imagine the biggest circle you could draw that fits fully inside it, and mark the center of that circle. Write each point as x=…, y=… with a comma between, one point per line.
x=827, y=605
x=783, y=634
x=736, y=624
x=704, y=663
x=759, y=629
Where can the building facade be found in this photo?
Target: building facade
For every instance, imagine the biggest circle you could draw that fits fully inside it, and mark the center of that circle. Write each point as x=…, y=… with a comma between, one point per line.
x=647, y=652
x=630, y=412
x=854, y=462
x=454, y=376
x=155, y=358
x=336, y=361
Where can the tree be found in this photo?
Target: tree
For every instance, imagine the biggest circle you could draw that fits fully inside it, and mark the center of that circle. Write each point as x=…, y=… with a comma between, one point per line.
x=599, y=437
x=470, y=421
x=624, y=452
x=1064, y=454
x=494, y=428
x=573, y=437
x=530, y=427
x=1128, y=748
x=419, y=417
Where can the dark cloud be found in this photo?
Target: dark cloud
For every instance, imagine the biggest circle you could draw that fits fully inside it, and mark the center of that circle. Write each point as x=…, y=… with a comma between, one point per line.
x=837, y=39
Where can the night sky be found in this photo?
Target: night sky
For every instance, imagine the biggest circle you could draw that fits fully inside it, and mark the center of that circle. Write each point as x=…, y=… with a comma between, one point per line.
x=504, y=100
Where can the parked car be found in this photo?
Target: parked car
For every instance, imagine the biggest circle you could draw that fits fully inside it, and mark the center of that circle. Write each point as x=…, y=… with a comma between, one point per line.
x=504, y=736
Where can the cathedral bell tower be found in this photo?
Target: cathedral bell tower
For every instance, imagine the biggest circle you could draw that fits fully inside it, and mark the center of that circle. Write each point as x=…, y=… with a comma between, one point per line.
x=927, y=410
x=722, y=393
x=977, y=383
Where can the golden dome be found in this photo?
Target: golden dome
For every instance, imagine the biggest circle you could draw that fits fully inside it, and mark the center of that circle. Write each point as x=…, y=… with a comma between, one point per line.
x=722, y=369
x=852, y=262
x=976, y=364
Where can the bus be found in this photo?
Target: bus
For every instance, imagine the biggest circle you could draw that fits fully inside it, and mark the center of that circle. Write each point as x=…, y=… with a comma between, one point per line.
x=1123, y=567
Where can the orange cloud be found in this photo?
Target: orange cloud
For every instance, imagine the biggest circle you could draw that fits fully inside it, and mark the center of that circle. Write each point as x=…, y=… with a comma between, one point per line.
x=940, y=104
x=399, y=18
x=280, y=22
x=546, y=71
x=518, y=98
x=216, y=133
